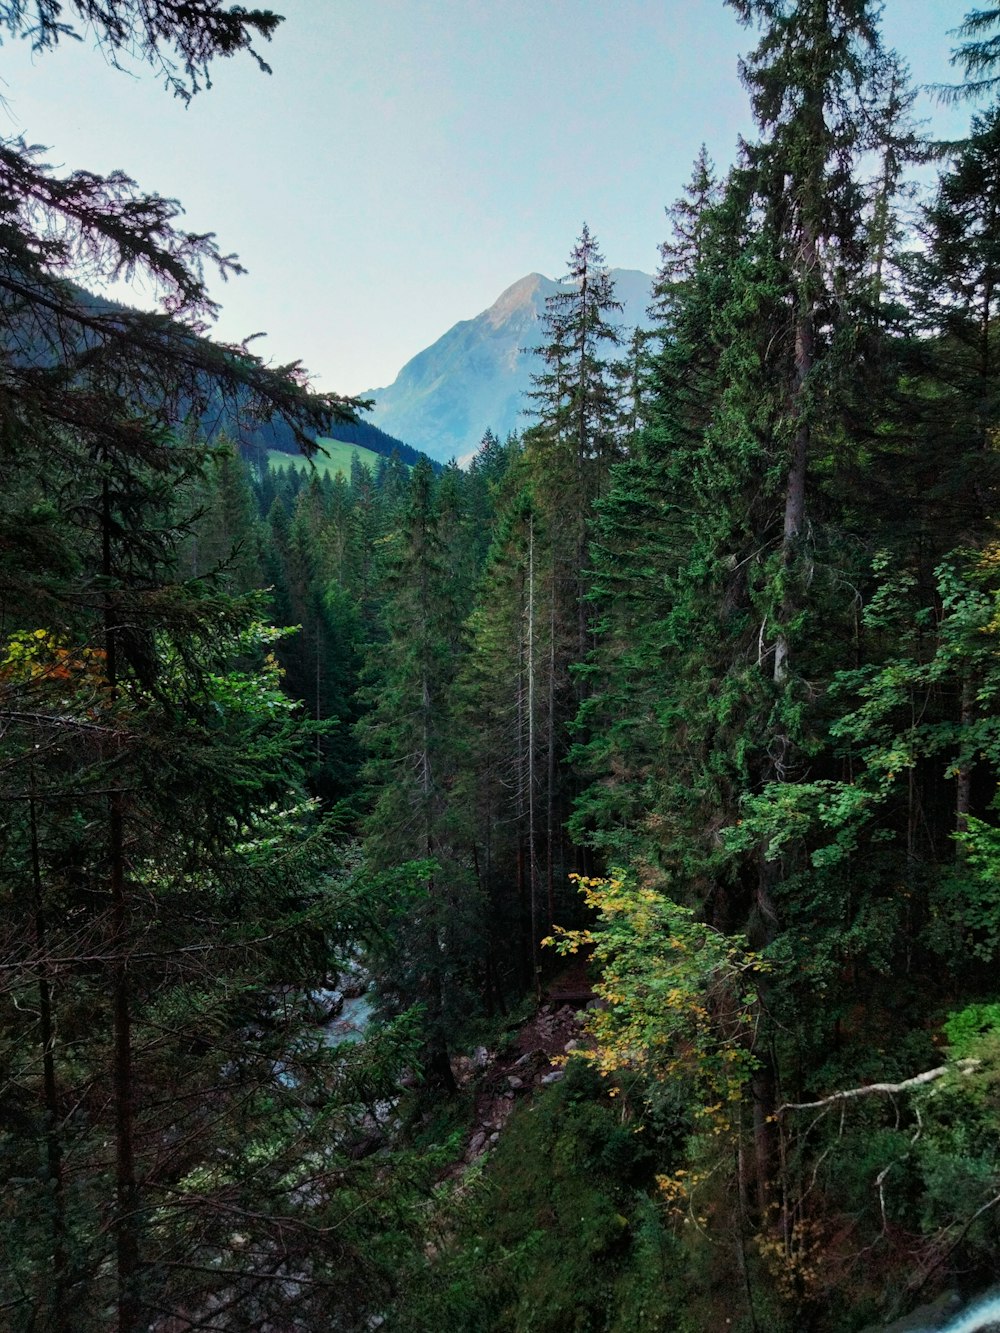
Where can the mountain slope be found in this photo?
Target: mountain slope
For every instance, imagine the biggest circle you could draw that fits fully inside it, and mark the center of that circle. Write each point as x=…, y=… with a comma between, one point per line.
x=477, y=374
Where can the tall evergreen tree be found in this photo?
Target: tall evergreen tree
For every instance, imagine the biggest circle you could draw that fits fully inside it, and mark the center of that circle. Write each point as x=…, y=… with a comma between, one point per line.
x=147, y=756
x=410, y=735
x=575, y=438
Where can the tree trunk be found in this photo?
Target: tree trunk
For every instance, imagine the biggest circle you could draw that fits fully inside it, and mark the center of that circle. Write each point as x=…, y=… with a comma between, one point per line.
x=50, y=1091
x=550, y=783
x=795, y=486
x=126, y=1222
x=532, y=849
x=963, y=789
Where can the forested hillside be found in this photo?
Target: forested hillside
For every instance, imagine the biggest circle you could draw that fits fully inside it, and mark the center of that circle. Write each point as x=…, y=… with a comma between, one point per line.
x=329, y=801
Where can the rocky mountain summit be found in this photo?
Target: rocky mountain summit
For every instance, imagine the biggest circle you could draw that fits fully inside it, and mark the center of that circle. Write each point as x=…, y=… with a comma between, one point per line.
x=476, y=376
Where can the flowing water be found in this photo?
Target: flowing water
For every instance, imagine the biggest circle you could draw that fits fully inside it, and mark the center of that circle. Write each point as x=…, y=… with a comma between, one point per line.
x=978, y=1318
x=983, y=1316
x=350, y=1022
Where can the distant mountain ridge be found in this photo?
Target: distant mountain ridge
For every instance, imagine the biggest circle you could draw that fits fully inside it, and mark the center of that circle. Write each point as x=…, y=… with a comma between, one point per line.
x=34, y=339
x=477, y=375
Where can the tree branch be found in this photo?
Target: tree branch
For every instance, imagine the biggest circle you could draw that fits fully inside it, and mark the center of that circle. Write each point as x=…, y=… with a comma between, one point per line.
x=850, y=1094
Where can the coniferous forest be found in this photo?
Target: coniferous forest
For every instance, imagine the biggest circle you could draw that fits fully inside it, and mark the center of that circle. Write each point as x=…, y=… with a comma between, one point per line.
x=560, y=894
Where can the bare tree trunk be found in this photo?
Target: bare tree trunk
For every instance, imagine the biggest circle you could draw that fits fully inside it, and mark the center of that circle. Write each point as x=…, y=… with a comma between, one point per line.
x=550, y=784
x=762, y=1089
x=316, y=689
x=963, y=789
x=126, y=1222
x=53, y=1141
x=532, y=849
x=522, y=883
x=795, y=486
x=127, y=1216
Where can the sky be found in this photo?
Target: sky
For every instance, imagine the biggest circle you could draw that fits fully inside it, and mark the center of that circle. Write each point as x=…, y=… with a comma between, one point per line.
x=407, y=160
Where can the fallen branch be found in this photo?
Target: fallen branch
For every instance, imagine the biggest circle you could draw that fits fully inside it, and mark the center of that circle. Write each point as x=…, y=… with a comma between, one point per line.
x=850, y=1094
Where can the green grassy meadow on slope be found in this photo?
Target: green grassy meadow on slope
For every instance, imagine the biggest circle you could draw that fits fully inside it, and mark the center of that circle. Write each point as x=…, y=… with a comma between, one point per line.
x=336, y=459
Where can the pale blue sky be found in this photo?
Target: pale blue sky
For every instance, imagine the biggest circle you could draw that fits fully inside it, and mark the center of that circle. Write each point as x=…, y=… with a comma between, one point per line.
x=408, y=159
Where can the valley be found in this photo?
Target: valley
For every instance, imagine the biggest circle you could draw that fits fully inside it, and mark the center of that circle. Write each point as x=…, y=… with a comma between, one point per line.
x=528, y=861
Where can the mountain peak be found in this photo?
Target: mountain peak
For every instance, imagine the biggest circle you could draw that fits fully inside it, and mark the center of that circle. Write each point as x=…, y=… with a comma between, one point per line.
x=476, y=375
x=518, y=295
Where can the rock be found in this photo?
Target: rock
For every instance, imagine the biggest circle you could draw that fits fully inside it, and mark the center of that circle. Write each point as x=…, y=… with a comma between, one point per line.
x=571, y=1046
x=532, y=1057
x=326, y=1004
x=495, y=1137
x=480, y=1057
x=554, y=1077
x=382, y=1114
x=597, y=1004
x=365, y=1146
x=477, y=1143
x=353, y=980
x=514, y=1082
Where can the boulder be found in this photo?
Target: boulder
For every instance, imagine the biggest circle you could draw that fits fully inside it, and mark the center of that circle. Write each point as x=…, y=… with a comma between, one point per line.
x=477, y=1143
x=324, y=1004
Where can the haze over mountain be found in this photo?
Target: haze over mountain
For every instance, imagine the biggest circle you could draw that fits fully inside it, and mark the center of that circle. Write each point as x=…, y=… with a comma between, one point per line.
x=477, y=374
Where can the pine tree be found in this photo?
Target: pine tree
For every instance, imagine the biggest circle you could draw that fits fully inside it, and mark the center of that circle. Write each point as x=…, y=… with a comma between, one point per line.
x=504, y=705
x=410, y=735
x=979, y=54
x=649, y=528
x=147, y=755
x=575, y=438
x=720, y=566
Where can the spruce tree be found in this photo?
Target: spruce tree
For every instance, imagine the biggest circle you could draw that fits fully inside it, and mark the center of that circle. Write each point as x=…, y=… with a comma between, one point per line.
x=149, y=763
x=410, y=736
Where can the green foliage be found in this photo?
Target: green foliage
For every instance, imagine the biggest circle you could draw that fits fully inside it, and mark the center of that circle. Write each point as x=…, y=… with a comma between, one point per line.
x=756, y=561
x=561, y=1233
x=965, y=1028
x=678, y=995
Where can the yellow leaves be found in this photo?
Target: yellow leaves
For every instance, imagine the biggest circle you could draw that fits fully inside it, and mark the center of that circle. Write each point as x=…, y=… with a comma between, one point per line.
x=706, y=1111
x=35, y=657
x=677, y=1193
x=567, y=941
x=793, y=1259
x=988, y=558
x=678, y=999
